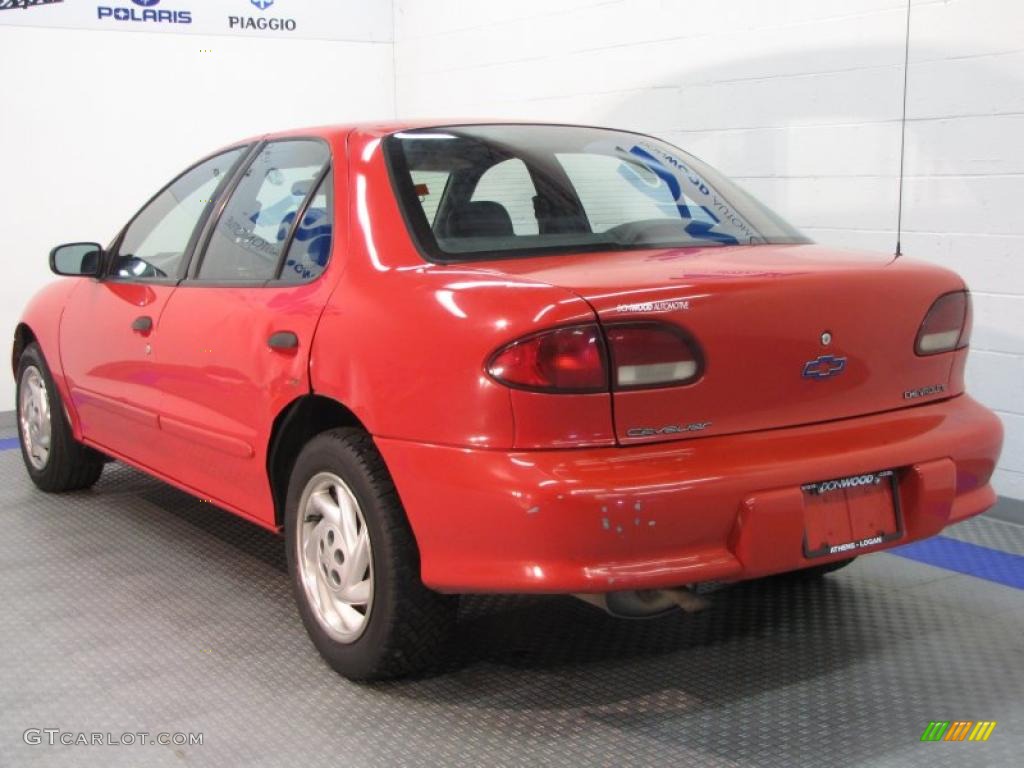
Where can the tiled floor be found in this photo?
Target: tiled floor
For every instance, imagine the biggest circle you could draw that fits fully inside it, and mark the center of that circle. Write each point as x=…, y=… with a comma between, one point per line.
x=133, y=607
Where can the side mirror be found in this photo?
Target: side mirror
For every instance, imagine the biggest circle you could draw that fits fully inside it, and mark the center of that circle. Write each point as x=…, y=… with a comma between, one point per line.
x=76, y=259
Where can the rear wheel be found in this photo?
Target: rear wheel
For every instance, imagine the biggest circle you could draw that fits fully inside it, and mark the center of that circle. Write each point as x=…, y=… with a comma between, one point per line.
x=54, y=459
x=355, y=566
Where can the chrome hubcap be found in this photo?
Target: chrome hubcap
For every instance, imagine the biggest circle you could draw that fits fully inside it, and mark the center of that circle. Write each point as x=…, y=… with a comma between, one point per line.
x=335, y=557
x=34, y=417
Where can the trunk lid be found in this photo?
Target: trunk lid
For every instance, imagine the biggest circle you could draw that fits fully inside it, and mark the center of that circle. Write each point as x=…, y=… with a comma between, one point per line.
x=790, y=335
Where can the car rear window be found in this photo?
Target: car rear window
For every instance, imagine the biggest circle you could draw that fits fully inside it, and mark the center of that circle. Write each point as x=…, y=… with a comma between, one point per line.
x=487, y=191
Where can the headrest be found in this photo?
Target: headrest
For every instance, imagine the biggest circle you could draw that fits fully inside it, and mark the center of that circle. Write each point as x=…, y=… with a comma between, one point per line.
x=483, y=218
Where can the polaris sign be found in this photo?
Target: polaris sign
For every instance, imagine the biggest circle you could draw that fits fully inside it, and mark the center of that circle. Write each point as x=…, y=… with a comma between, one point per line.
x=366, y=21
x=145, y=13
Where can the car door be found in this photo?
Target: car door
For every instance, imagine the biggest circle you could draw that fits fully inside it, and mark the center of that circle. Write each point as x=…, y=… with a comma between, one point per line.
x=108, y=324
x=235, y=336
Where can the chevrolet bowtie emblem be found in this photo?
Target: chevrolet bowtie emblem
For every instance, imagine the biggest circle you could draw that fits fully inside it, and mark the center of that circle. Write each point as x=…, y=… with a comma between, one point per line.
x=824, y=367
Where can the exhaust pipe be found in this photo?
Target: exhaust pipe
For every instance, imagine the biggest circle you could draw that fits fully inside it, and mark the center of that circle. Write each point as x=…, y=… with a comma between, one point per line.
x=645, y=603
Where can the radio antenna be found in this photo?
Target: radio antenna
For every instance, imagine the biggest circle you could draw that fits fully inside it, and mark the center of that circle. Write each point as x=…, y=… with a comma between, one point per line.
x=903, y=136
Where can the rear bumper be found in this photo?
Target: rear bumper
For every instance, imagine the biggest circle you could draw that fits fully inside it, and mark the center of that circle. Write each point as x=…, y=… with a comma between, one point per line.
x=707, y=509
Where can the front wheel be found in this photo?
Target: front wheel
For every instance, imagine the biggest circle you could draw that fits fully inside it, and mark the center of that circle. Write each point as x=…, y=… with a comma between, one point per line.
x=54, y=459
x=354, y=563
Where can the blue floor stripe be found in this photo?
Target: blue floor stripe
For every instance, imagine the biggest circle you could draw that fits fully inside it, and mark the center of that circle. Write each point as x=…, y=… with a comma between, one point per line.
x=8, y=443
x=963, y=557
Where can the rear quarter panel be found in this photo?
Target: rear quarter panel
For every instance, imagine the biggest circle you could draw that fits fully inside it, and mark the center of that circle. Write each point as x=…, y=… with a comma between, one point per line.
x=405, y=351
x=403, y=343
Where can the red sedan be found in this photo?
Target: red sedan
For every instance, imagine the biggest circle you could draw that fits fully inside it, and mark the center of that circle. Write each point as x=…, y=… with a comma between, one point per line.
x=504, y=358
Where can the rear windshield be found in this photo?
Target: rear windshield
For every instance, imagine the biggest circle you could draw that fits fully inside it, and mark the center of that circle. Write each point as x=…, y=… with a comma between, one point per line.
x=473, y=192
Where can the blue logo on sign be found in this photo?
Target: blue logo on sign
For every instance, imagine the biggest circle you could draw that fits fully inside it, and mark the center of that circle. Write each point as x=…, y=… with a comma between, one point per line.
x=262, y=4
x=824, y=367
x=149, y=14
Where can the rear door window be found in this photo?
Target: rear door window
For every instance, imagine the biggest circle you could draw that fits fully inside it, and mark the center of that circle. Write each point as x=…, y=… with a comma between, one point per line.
x=247, y=242
x=310, y=248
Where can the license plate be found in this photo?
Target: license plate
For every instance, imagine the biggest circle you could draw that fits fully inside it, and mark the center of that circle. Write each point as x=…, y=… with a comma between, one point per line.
x=848, y=514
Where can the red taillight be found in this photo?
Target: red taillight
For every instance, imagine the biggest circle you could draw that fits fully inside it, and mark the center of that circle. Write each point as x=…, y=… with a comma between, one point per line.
x=572, y=359
x=652, y=355
x=947, y=326
x=567, y=359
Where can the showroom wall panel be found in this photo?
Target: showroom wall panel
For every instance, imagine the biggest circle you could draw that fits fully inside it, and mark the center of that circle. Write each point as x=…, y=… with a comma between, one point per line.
x=94, y=122
x=965, y=184
x=801, y=101
x=767, y=91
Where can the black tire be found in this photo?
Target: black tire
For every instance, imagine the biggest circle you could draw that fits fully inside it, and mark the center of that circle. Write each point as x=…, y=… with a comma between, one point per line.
x=408, y=626
x=70, y=465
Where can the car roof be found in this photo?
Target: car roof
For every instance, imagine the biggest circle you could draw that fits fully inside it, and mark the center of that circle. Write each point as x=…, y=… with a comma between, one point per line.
x=372, y=129
x=384, y=127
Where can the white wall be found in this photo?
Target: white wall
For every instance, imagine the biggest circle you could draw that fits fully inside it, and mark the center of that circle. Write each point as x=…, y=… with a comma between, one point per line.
x=964, y=194
x=92, y=123
x=800, y=100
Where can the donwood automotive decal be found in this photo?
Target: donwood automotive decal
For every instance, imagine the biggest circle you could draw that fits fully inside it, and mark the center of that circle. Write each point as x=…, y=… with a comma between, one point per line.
x=667, y=305
x=843, y=483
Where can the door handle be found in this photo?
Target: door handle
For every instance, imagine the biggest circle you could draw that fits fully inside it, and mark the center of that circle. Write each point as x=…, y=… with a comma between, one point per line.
x=283, y=340
x=142, y=324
